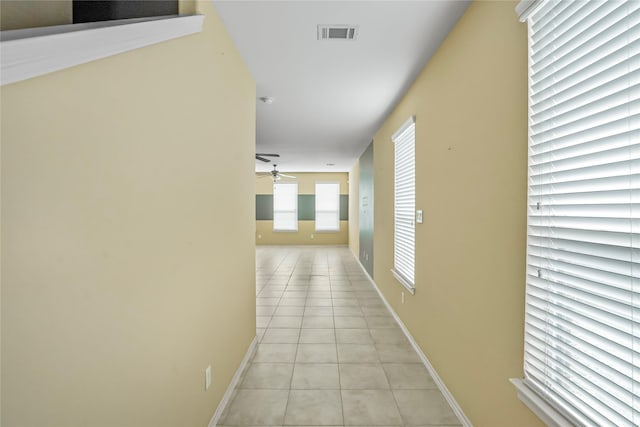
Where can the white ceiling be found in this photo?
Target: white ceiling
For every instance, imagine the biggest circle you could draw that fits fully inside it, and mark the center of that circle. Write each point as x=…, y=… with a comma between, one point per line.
x=330, y=97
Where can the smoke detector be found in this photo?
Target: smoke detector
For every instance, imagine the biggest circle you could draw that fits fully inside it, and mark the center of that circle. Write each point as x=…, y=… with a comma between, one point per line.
x=337, y=32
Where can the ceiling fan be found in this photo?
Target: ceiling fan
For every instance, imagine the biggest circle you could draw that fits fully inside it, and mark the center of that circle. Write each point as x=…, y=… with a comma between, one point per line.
x=261, y=157
x=275, y=174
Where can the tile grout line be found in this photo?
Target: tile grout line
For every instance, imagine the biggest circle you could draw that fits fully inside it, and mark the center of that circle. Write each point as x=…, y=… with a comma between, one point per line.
x=295, y=357
x=335, y=336
x=334, y=329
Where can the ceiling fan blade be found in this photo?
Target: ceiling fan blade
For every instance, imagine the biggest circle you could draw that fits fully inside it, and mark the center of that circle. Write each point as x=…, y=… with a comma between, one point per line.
x=286, y=176
x=262, y=159
x=267, y=155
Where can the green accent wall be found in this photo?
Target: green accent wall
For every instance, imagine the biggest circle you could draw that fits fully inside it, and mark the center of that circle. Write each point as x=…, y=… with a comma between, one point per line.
x=306, y=207
x=344, y=207
x=264, y=207
x=366, y=209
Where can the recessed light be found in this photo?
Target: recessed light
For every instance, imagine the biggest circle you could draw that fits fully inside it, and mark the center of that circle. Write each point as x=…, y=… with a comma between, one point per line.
x=331, y=164
x=266, y=99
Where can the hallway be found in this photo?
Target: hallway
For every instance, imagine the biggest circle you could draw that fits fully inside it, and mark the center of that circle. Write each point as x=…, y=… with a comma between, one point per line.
x=329, y=352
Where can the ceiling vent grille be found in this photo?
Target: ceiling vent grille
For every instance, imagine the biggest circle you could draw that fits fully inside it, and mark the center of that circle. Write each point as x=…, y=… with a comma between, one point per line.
x=337, y=32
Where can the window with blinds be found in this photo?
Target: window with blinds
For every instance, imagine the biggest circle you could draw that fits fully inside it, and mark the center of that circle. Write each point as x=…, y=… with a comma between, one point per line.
x=285, y=206
x=582, y=316
x=327, y=206
x=404, y=141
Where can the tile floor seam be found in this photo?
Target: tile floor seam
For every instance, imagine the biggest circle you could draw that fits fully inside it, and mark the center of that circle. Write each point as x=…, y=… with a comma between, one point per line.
x=286, y=406
x=338, y=365
x=395, y=399
x=321, y=270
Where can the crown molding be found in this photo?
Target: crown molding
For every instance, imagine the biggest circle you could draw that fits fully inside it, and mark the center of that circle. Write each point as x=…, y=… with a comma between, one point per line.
x=33, y=52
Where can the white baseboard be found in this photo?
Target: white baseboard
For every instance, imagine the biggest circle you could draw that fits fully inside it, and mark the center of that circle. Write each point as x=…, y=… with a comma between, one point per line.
x=232, y=385
x=457, y=410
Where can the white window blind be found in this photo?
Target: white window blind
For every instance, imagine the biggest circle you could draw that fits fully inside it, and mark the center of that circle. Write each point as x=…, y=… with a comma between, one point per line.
x=404, y=204
x=327, y=206
x=285, y=206
x=582, y=330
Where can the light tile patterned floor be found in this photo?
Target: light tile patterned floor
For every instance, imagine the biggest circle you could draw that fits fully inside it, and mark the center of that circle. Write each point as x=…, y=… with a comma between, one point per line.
x=329, y=353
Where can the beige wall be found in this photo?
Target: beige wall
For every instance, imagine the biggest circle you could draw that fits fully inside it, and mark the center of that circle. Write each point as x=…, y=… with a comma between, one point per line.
x=122, y=278
x=266, y=236
x=470, y=104
x=16, y=14
x=354, y=209
x=306, y=229
x=306, y=182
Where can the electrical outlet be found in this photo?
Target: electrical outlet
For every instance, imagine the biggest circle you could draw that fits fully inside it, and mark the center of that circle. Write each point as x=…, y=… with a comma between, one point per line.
x=259, y=236
x=207, y=378
x=312, y=236
x=419, y=216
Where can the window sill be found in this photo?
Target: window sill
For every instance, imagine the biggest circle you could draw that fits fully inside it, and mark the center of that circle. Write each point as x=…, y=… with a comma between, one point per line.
x=410, y=287
x=33, y=52
x=538, y=406
x=285, y=231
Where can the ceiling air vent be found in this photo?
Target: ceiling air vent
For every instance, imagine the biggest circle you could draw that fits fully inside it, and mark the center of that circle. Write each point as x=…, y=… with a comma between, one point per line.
x=337, y=32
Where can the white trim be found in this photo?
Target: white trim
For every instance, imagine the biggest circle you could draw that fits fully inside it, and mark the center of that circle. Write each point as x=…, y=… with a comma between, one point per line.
x=226, y=398
x=404, y=282
x=526, y=8
x=457, y=410
x=538, y=406
x=404, y=203
x=315, y=215
x=295, y=212
x=29, y=53
x=410, y=122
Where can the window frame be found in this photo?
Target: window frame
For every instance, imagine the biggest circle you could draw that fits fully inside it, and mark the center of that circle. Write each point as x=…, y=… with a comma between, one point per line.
x=404, y=221
x=540, y=391
x=337, y=211
x=276, y=211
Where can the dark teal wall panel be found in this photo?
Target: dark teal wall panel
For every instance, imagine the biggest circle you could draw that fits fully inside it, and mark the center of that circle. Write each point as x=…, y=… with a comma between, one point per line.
x=366, y=209
x=344, y=207
x=306, y=207
x=264, y=207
